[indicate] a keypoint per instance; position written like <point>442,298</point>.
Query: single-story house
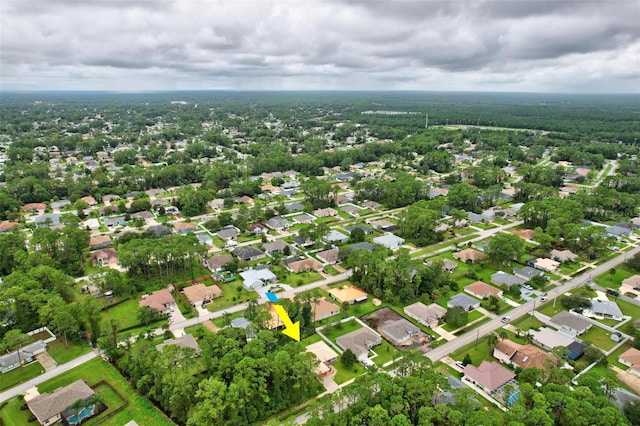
<point>365,229</point>
<point>104,257</point>
<point>49,219</point>
<point>349,294</point>
<point>617,231</point>
<point>204,238</point>
<point>57,205</point>
<point>161,300</point>
<point>245,199</point>
<point>389,241</point>
<point>99,241</point>
<point>360,341</point>
<point>527,272</point>
<point>216,204</point>
<point>489,376</point>
<point>254,278</point>
<point>323,308</point>
<point>369,204</point>
<point>185,227</point>
<point>464,301</point>
<point>328,212</point>
<point>325,355</point>
<point>114,221</point>
<point>304,265</point>
<point>160,230</point>
<point>631,358</point>
<point>399,332</point>
<point>335,237</point>
<point>548,339</point>
<point>278,222</point>
<point>328,256</point>
<point>49,408</point>
<point>482,290</point>
<point>469,255</point>
<point>502,278</point>
<point>294,207</point>
<point>524,356</point>
<point>228,233</point>
<point>34,208</point>
<point>217,262</point>
<point>426,315</point>
<point>564,255</point>
<point>359,246</point>
<point>631,285</point>
<point>89,200</point>
<point>385,225</point>
<point>303,242</point>
<point>8,226</point>
<point>199,294</point>
<point>546,264</point>
<point>303,218</point>
<point>145,215</point>
<point>525,234</point>
<point>248,253</point>
<point>604,309</point>
<point>449,265</point>
<point>278,246</point>
<point>571,324</point>
<point>635,222</point>
<point>350,209</point>
<point>27,353</point>
<point>185,341</point>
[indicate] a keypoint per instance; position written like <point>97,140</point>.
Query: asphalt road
<point>449,347</point>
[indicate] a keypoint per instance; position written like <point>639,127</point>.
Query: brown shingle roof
<point>469,255</point>
<point>200,291</point>
<point>48,405</point>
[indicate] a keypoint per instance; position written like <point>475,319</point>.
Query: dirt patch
<point>46,361</point>
<point>211,327</point>
<point>378,319</point>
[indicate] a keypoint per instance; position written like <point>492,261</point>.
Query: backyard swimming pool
<point>85,413</point>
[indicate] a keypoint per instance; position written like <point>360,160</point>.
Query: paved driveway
<point>46,361</point>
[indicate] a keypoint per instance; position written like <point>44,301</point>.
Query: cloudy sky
<point>138,45</point>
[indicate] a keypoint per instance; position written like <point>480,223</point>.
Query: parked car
<point>528,287</point>
<point>505,319</point>
<point>460,364</point>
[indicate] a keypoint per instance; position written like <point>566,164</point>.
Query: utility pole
<point>426,123</point>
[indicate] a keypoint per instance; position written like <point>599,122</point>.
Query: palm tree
<point>81,404</point>
<point>492,341</point>
<point>503,334</point>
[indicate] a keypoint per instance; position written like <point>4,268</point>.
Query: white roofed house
<point>426,315</point>
<point>389,241</point>
<point>604,309</point>
<point>255,278</point>
<point>571,324</point>
<point>631,285</point>
<point>334,237</point>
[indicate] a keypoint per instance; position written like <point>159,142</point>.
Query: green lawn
<point>139,408</point>
<point>63,354</point>
<point>435,247</point>
<point>609,280</point>
<point>630,309</point>
<point>301,278</point>
<point>598,337</point>
<point>473,315</point>
<point>231,296</point>
<point>527,322</point>
<point>386,352</point>
<point>473,326</point>
<point>331,270</point>
<point>20,375</point>
<point>477,353</point>
<point>347,373</point>
<point>570,268</point>
<point>126,313</point>
<point>338,330</point>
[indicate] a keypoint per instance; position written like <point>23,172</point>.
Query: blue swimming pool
<point>86,412</point>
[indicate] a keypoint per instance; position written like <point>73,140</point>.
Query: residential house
<point>349,294</point>
<point>328,212</point>
<point>216,204</point>
<point>469,255</point>
<point>617,231</point>
<point>204,238</point>
<point>48,220</point>
<point>107,210</point>
<point>303,218</point>
<point>325,355</point>
<point>384,225</point>
<point>489,376</point>
<point>161,300</point>
<point>335,237</point>
<point>160,230</point>
<point>360,342</point>
<point>278,223</point>
<point>114,221</point>
<point>303,242</point>
<point>527,272</point>
<point>185,227</point>
<point>99,241</point>
<point>89,200</point>
<point>371,205</point>
<point>604,309</point>
<point>564,255</point>
<point>217,262</point>
<point>145,215</point>
<point>546,264</point>
<point>548,339</point>
<point>228,233</point>
<point>525,234</point>
<point>294,207</point>
<point>58,205</point>
<point>569,323</point>
<point>200,294</point>
<point>248,253</point>
<point>50,408</point>
<point>466,302</point>
<point>255,278</point>
<point>400,332</point>
<point>243,200</point>
<point>34,208</point>
<point>105,257</point>
<point>482,290</point>
<point>365,229</point>
<point>502,278</point>
<point>631,285</point>
<point>359,246</point>
<point>25,355</point>
<point>278,246</point>
<point>389,241</point>
<point>523,356</point>
<point>184,341</point>
<point>6,226</point>
<point>426,315</point>
<point>257,229</point>
<point>438,192</point>
<point>109,198</point>
<point>350,209</point>
<point>635,222</point>
<point>304,265</point>
<point>631,358</point>
<point>328,256</point>
<point>323,308</point>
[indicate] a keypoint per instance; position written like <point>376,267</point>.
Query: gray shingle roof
<point>48,405</point>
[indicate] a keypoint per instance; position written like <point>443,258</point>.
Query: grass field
<point>473,315</point>
<point>63,354</point>
<point>126,313</point>
<point>477,353</point>
<point>599,337</point>
<point>231,296</point>
<point>610,280</point>
<point>344,373</point>
<point>20,375</point>
<point>338,330</point>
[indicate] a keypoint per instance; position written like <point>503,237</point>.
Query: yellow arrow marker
<point>290,329</point>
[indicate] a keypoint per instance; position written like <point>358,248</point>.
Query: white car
<point>528,287</point>
<point>505,319</point>
<point>543,299</point>
<point>460,364</point>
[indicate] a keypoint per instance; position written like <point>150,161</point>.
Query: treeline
<point>234,381</point>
